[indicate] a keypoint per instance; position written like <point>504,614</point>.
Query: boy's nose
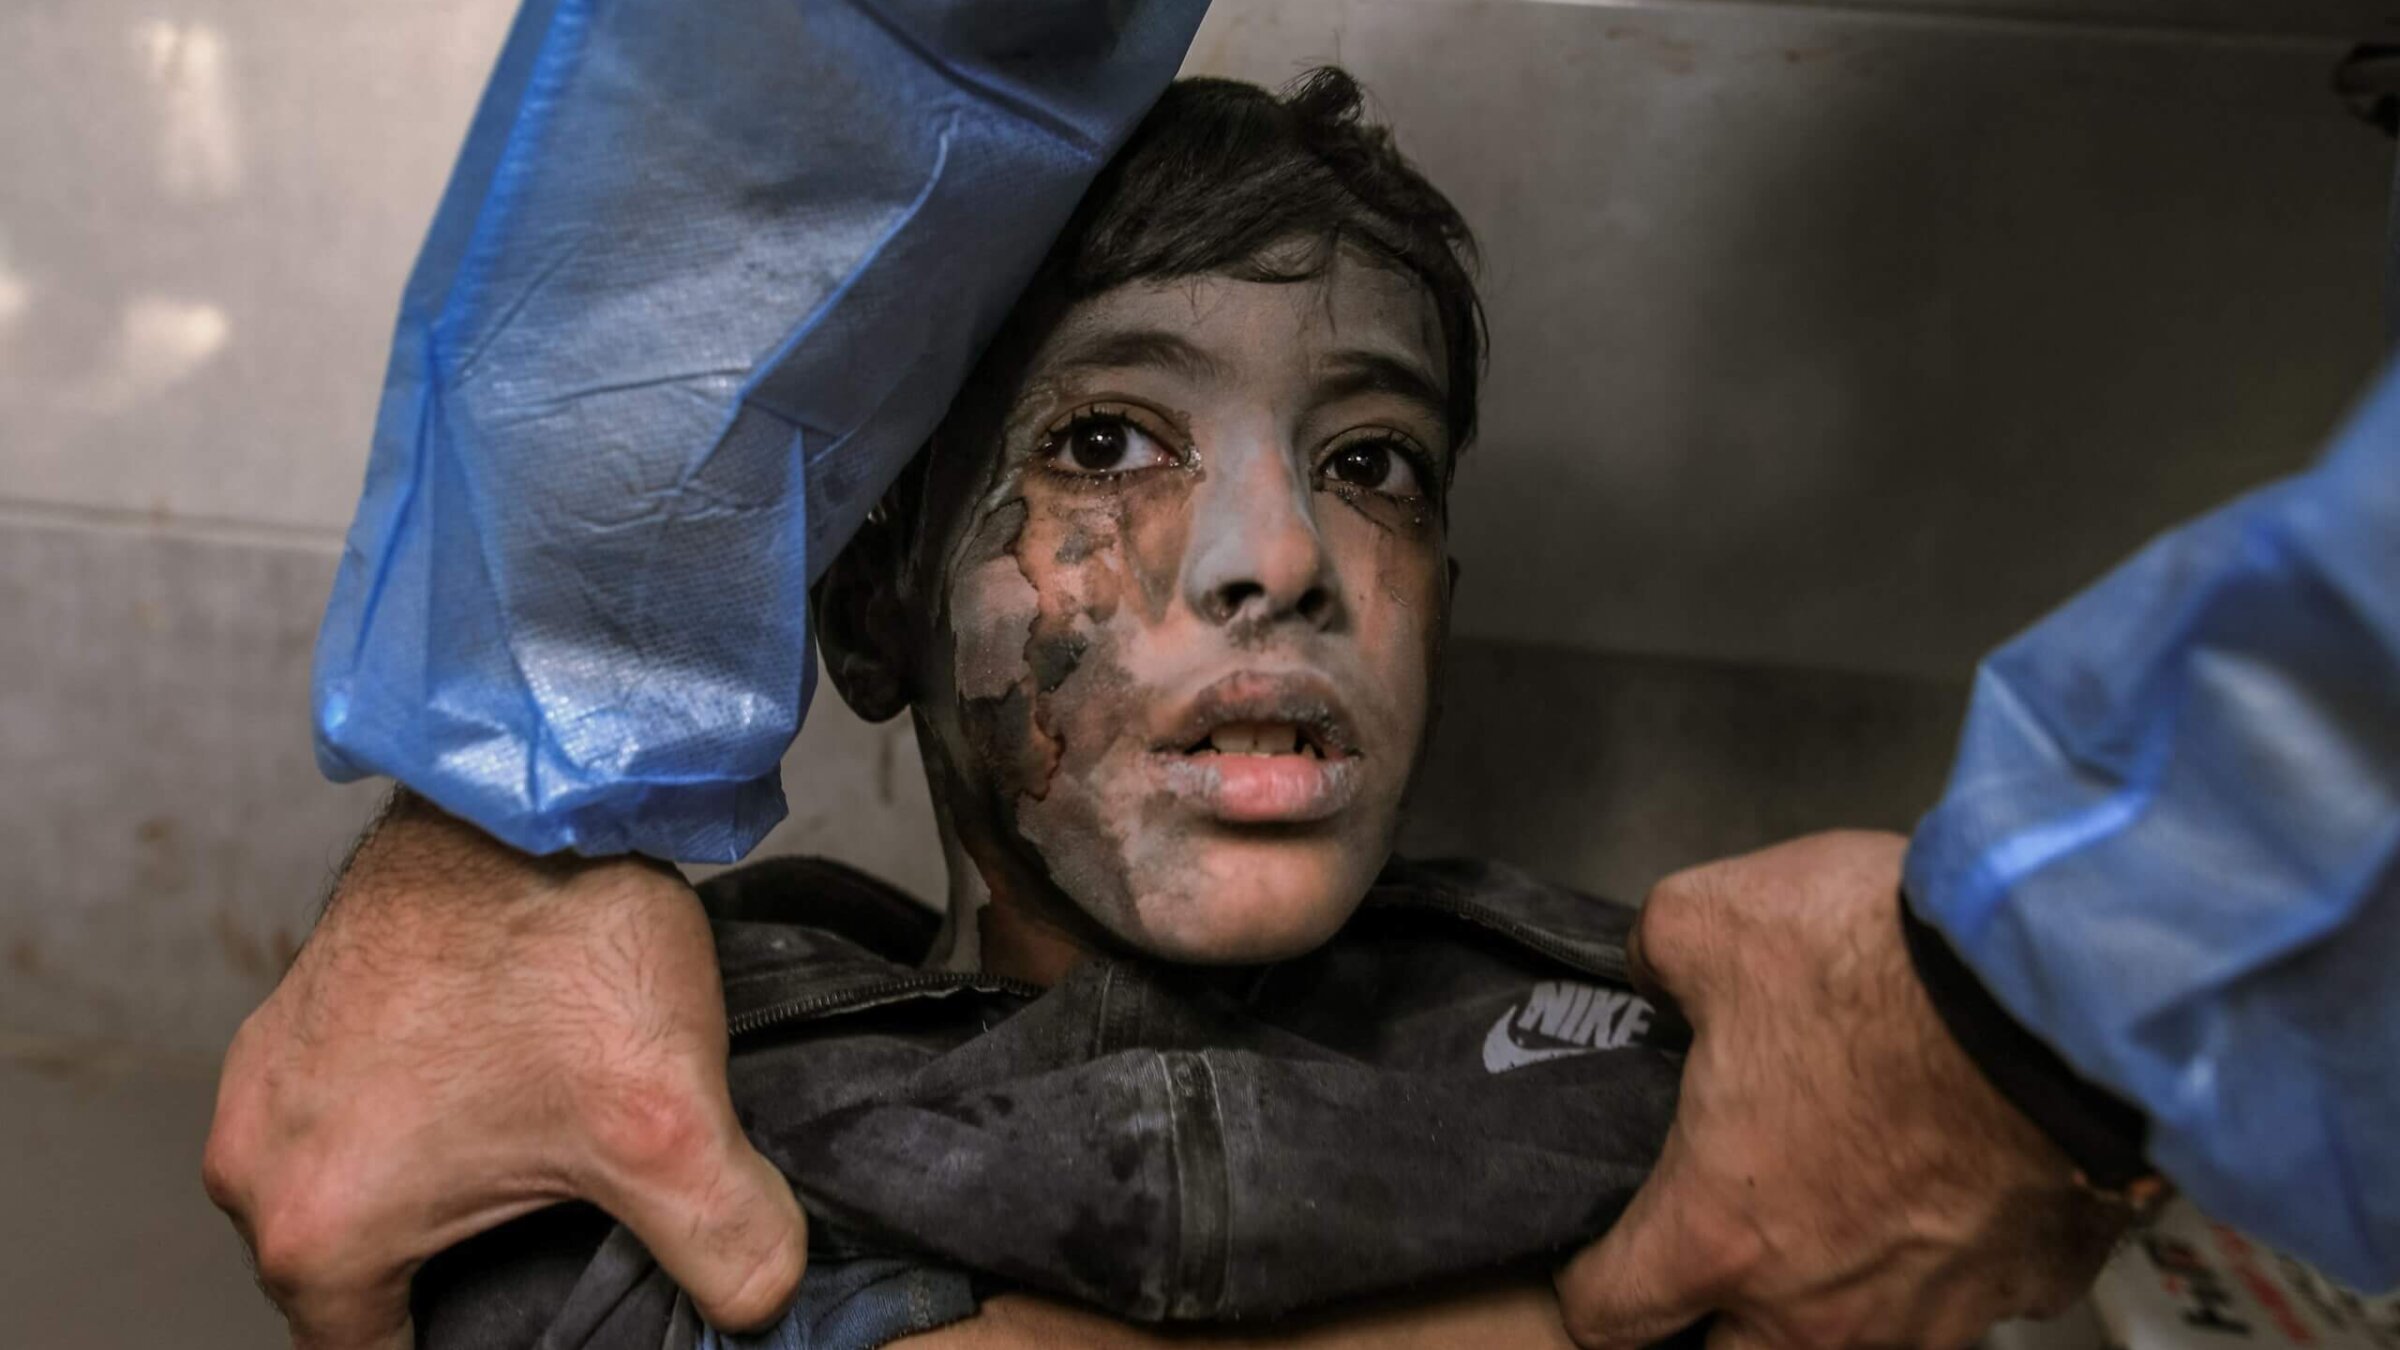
<point>1255,556</point>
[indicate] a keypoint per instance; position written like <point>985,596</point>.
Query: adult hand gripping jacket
<point>2171,847</point>
<point>705,276</point>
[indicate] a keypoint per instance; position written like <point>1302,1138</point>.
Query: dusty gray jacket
<point>1458,1082</point>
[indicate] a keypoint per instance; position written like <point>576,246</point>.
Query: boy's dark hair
<point>1220,173</point>
<point>1214,180</point>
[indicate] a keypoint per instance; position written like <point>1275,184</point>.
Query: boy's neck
<point>1019,946</point>
<point>993,936</point>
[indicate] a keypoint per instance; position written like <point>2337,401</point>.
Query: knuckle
<point>298,1241</point>
<point>650,1126</point>
<point>1678,890</point>
<point>224,1169</point>
<point>229,1160</point>
<point>1676,922</point>
<point>1726,1247</point>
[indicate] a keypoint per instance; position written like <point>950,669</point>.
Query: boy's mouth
<point>1258,738</point>
<point>1262,749</point>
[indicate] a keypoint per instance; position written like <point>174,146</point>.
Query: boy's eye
<point>1377,466</point>
<point>1104,443</point>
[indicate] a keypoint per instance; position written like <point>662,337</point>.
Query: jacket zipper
<point>885,991</point>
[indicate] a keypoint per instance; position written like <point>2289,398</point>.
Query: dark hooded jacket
<point>1461,1081</point>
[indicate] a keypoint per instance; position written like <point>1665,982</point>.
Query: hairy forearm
<point>415,848</point>
<point>426,891</point>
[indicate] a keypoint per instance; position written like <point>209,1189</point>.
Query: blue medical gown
<point>2171,847</point>
<point>706,275</point>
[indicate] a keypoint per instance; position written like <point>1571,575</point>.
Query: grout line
<point>2016,19</point>
<point>205,529</point>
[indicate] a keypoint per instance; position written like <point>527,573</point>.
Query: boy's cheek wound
<point>992,607</point>
<point>1056,588</point>
<point>1048,704</point>
<point>1132,525</point>
<point>1154,523</point>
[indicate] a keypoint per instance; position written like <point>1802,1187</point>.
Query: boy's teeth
<point>1256,738</point>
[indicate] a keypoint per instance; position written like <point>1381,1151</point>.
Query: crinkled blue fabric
<point>2171,846</point>
<point>706,275</point>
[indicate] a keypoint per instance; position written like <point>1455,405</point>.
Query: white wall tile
<point>169,834</point>
<point>207,209</point>
<point>171,837</point>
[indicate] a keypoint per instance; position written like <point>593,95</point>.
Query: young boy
<point>1165,598</point>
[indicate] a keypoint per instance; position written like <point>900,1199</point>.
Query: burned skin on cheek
<point>1088,549</point>
<point>994,699</point>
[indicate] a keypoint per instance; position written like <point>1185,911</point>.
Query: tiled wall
<point>1830,342</point>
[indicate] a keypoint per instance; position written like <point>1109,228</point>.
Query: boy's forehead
<point>1222,328</point>
<point>1224,334</point>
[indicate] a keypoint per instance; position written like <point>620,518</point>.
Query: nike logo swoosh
<point>1502,1053</point>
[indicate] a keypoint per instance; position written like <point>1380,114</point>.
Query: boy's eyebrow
<point>1345,374</point>
<point>1142,347</point>
<point>1358,371</point>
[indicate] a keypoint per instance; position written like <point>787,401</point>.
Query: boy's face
<point>1189,600</point>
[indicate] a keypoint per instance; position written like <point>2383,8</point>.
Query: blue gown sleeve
<point>704,278</point>
<point>2171,847</point>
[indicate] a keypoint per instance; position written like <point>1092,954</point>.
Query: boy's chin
<point>1245,902</point>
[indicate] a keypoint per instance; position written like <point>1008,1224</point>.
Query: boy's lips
<point>1257,748</point>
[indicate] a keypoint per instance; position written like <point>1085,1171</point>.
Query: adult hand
<point>469,1035</point>
<point>1839,1173</point>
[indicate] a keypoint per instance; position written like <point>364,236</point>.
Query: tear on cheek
<point>1411,516</point>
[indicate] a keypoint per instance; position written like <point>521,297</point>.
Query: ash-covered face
<point>1182,610</point>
